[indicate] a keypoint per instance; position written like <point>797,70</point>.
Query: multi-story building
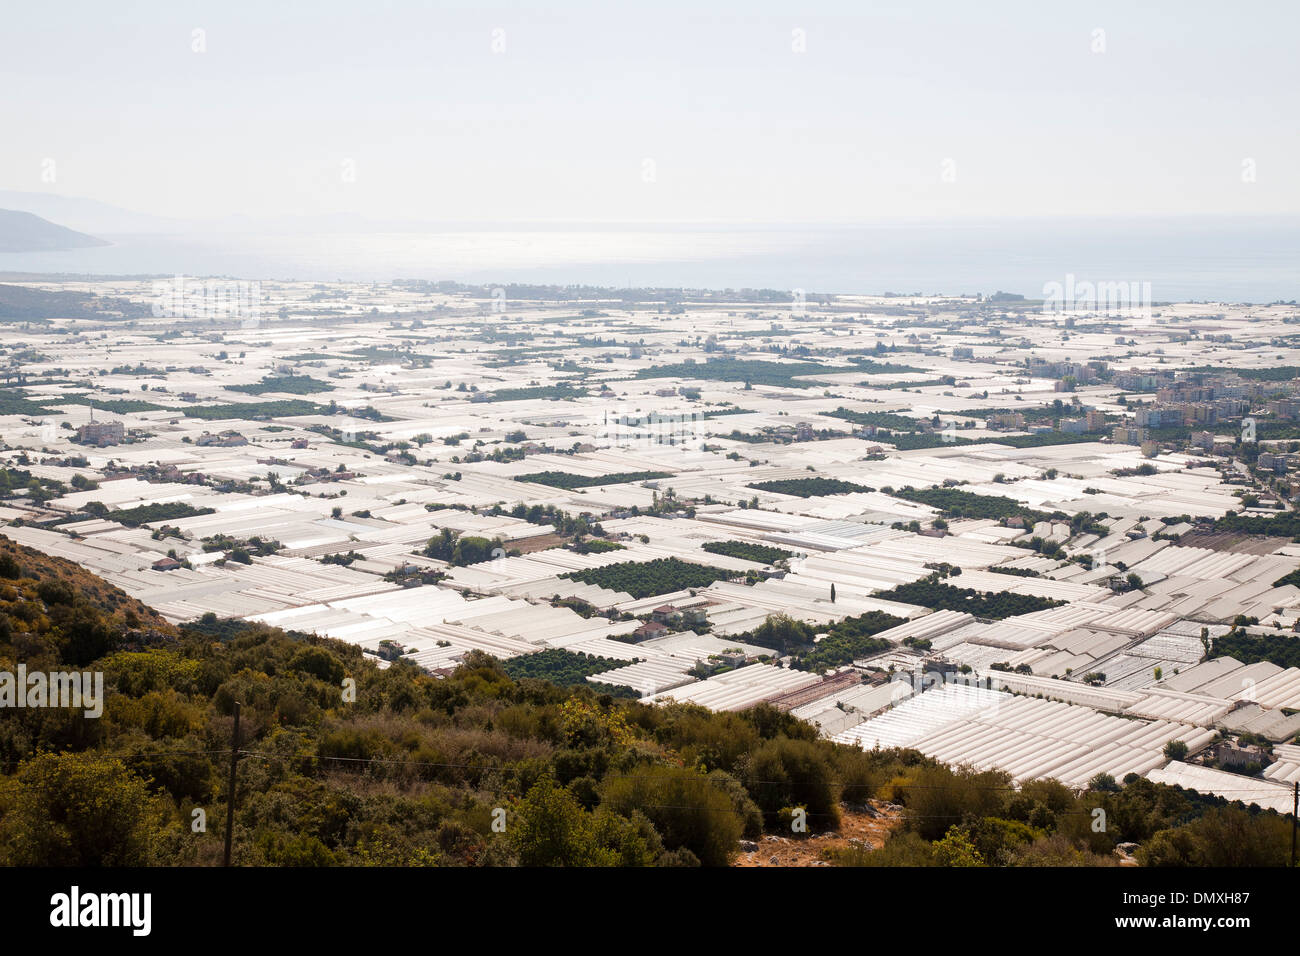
<point>101,434</point>
<point>226,439</point>
<point>1129,435</point>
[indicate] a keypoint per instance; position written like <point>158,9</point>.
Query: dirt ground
<point>855,825</point>
<point>1232,541</point>
<point>537,543</point>
<point>856,828</point>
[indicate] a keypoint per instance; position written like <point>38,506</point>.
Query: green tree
<point>934,797</point>
<point>77,810</point>
<point>1226,836</point>
<point>781,632</point>
<point>688,809</point>
<point>794,773</point>
<point>956,849</point>
<point>550,828</point>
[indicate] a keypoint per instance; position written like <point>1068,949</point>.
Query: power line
<point>399,761</point>
<point>15,762</point>
<point>1262,789</point>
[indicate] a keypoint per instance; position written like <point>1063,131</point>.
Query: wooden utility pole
<point>1295,806</point>
<point>230,791</point>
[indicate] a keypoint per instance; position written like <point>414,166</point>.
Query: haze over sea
<point>1232,259</point>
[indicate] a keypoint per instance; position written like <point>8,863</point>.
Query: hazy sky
<point>666,111</point>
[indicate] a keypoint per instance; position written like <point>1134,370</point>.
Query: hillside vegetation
<point>342,763</point>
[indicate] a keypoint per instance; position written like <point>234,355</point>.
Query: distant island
<point>24,232</point>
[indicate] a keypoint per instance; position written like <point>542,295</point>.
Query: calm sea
<point>1229,259</point>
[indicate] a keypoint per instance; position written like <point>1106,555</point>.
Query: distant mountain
<point>102,219</point>
<point>25,232</point>
<point>87,215</point>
